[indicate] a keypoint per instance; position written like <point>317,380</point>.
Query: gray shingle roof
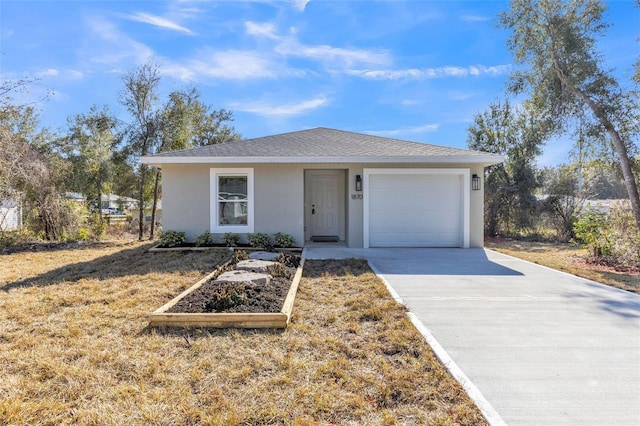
<point>322,145</point>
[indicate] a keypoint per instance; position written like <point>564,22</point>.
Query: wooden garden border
<point>160,317</point>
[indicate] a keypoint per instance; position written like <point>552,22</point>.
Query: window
<point>232,200</point>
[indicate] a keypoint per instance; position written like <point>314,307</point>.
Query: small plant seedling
<point>227,296</point>
<point>279,270</point>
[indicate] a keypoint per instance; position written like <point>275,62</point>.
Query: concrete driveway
<point>541,347</point>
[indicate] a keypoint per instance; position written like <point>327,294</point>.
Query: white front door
<point>325,205</point>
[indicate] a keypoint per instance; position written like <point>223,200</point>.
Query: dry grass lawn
<point>568,258</point>
<point>75,348</point>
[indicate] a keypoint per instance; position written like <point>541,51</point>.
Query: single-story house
<point>117,202</point>
<point>328,185</point>
<point>76,197</point>
<point>10,215</point>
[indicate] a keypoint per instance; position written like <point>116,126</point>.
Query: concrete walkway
<point>542,347</point>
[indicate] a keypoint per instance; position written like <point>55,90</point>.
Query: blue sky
<point>415,70</point>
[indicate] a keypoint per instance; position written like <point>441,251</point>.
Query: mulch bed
<point>247,297</point>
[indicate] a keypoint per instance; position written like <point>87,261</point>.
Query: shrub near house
<point>172,238</point>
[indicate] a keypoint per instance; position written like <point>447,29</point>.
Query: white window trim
<point>466,200</point>
<point>213,186</point>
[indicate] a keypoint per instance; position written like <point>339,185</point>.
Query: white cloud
<point>475,18</point>
<point>461,96</point>
<point>429,73</point>
<point>268,63</point>
<point>289,46</point>
<point>49,72</point>
<point>324,53</point>
<point>118,49</point>
<point>68,74</point>
<point>427,128</point>
<point>299,4</point>
<point>411,102</point>
<point>74,74</point>
<point>158,21</point>
<point>230,64</point>
<point>277,109</point>
<point>267,30</point>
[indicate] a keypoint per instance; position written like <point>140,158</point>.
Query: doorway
<point>325,216</point>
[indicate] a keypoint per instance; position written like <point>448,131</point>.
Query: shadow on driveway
<point>616,301</point>
<point>418,261</point>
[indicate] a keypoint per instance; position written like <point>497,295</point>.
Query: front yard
<point>75,348</point>
<point>568,258</point>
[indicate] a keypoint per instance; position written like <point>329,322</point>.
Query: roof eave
<point>486,160</point>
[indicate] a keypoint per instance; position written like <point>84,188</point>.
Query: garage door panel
<point>415,210</point>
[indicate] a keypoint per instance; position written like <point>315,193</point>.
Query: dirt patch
<point>246,297</point>
<point>605,265</point>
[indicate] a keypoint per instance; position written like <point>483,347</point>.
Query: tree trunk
<point>618,144</point>
<point>623,156</point>
<point>627,172</point>
<point>143,170</point>
<point>100,207</point>
<point>153,206</point>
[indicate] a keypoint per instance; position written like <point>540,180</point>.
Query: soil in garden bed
<point>248,297</point>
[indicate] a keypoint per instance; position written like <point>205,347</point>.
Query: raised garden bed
<point>263,305</point>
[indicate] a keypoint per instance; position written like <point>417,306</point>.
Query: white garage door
<point>415,210</point>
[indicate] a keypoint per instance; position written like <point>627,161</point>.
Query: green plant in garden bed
<point>172,238</point>
<point>279,270</point>
<point>204,239</point>
<point>230,239</point>
<point>284,240</point>
<point>259,240</point>
<point>227,296</point>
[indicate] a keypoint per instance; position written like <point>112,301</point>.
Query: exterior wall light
<point>475,182</point>
<point>358,183</point>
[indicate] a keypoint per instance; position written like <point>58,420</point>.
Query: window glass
<point>232,187</point>
<point>232,200</point>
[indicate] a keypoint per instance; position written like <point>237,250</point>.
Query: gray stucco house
<point>328,185</point>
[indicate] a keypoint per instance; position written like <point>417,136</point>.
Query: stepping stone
<point>239,277</point>
<point>264,255</point>
<point>254,265</point>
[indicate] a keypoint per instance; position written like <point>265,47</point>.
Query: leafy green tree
<point>509,187</point>
<point>593,230</point>
<point>556,42</point>
<point>186,122</point>
<point>30,170</point>
<point>602,180</point>
<point>140,99</point>
<point>88,147</point>
<point>124,179</point>
<point>564,198</point>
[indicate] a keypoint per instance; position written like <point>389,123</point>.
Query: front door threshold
<point>325,239</point>
<point>325,244</point>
